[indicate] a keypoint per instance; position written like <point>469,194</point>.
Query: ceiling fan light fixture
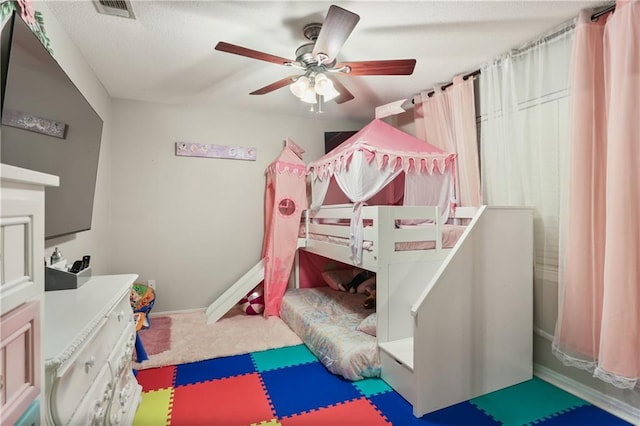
<point>300,86</point>
<point>309,96</point>
<point>331,95</point>
<point>322,85</point>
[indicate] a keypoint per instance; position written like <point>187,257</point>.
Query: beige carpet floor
<point>234,334</point>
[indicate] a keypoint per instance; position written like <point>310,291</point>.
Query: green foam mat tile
<point>527,403</point>
<point>289,356</point>
<point>372,386</point>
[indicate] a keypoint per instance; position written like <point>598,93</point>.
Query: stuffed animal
<point>362,278</point>
<point>370,301</point>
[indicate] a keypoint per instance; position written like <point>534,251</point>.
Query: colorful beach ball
<point>253,303</point>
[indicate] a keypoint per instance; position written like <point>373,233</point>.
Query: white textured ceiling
<point>167,53</point>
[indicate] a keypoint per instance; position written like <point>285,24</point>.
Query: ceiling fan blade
<point>345,94</point>
<point>335,30</point>
<point>275,86</point>
<point>249,53</point>
<point>388,67</point>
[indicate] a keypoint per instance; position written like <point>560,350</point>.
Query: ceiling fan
<point>317,59</point>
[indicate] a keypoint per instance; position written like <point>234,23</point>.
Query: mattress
<point>450,235</point>
<point>326,321</point>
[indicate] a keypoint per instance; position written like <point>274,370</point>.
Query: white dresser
<point>21,293</point>
<point>89,336</point>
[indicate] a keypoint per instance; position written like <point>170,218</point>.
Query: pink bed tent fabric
<point>285,199</point>
<point>370,160</point>
<point>598,327</point>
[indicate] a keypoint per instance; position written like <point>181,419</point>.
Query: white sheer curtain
<point>524,116</point>
<point>447,119</point>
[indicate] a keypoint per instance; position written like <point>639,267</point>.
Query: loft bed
<point>454,304</point>
<point>452,323</point>
<point>327,320</point>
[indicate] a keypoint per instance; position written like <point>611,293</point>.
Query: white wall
<point>95,241</point>
<point>195,225</point>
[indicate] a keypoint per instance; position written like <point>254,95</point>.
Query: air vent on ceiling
<point>121,8</point>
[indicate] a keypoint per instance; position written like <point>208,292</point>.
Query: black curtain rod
<point>464,77</point>
<point>594,18</point>
<point>604,11</point>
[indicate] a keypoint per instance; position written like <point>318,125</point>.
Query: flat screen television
<point>333,139</point>
<point>48,126</point>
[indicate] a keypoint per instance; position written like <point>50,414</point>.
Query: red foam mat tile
<point>156,378</point>
<point>356,412</point>
<point>239,400</point>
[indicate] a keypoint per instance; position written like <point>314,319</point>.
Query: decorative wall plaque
<point>186,149</point>
<point>25,121</point>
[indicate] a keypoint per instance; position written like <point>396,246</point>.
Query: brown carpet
<point>191,339</point>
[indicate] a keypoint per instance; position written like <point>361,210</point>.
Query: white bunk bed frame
<point>453,324</point>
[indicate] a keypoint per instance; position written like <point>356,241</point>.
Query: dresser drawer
<point>19,360</point>
<point>123,351</point>
<point>75,377</point>
<point>127,391</point>
<point>118,320</point>
<point>94,405</point>
<point>398,375</point>
<point>31,417</point>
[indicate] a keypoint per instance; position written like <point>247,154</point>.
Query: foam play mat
<point>289,386</point>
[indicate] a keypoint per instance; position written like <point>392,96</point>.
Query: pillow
<point>368,325</point>
<point>337,277</point>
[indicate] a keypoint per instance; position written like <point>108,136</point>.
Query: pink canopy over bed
<point>285,199</point>
<point>366,164</point>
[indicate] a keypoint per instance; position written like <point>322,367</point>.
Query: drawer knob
<point>98,415</point>
<point>115,419</point>
<point>90,362</point>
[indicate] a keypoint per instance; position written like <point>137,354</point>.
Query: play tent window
<point>287,206</point>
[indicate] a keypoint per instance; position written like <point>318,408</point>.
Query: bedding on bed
<point>327,322</point>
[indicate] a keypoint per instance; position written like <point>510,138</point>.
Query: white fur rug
<point>234,334</point>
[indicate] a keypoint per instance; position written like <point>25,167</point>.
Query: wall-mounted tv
<point>48,126</point>
<point>333,139</point>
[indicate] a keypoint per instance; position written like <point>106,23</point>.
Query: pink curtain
<point>598,327</point>
<point>447,120</point>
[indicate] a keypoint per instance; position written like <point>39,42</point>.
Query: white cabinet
<point>21,289</point>
<point>88,344</point>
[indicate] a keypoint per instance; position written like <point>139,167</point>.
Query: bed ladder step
<point>237,291</point>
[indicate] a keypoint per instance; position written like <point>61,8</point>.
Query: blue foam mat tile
<point>399,412</point>
<point>304,387</point>
<point>218,368</point>
<point>585,415</point>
